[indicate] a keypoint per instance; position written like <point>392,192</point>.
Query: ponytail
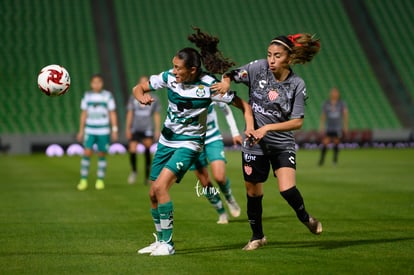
<point>302,47</point>
<point>212,58</point>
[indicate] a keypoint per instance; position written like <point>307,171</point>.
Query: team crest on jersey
<point>272,95</point>
<point>248,169</point>
<point>200,91</point>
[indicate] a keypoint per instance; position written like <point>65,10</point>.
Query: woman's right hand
<point>145,99</point>
<point>79,136</point>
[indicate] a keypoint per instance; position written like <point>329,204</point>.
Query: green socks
<point>165,211</point>
<point>85,163</point>
<point>156,218</point>
<point>215,201</point>
<point>226,190</point>
<point>101,167</point>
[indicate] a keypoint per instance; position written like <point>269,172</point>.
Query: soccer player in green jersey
<point>182,138</point>
<point>97,116</point>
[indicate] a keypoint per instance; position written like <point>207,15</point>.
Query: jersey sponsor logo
<point>249,157</point>
<point>200,91</point>
<point>248,169</point>
<point>272,95</point>
<point>260,109</point>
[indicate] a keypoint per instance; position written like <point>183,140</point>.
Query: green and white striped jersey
<point>213,130</point>
<point>185,124</point>
<point>97,107</point>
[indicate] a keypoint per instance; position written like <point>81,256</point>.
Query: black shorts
<point>139,136</point>
<point>256,168</point>
<point>333,134</point>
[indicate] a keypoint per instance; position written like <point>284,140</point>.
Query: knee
<point>152,196</point>
<point>220,177</point>
<point>157,189</point>
<point>87,153</point>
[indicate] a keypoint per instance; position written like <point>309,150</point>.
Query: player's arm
<point>247,112</point>
<point>345,120</point>
<point>128,124</point>
<point>322,121</point>
<point>290,125</point>
<point>231,122</point>
<point>82,122</point>
<point>140,92</point>
<point>114,125</point>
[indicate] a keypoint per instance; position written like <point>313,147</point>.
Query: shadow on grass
<point>321,244</point>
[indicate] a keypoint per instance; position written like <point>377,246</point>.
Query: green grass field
<point>366,205</point>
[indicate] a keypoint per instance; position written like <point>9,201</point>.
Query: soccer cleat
<point>255,244</point>
<point>163,249</point>
<point>99,185</point>
<point>83,185</point>
<point>233,207</point>
<point>149,249</point>
<point>314,225</point>
<point>132,177</point>
<point>223,219</point>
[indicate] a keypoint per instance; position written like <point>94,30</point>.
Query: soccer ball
<point>53,80</point>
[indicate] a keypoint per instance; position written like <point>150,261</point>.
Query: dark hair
<point>209,55</point>
<point>191,58</point>
<point>302,47</point>
<point>96,76</point>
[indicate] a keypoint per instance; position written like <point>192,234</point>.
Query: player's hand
<point>237,140</point>
<point>157,135</point>
<point>114,136</point>
<point>128,134</point>
<point>220,87</point>
<point>259,134</point>
<point>79,136</point>
<point>145,99</point>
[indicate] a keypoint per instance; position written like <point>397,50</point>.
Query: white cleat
<point>132,178</point>
<point>151,248</point>
<point>233,207</point>
<point>223,219</point>
<point>255,244</point>
<point>163,249</point>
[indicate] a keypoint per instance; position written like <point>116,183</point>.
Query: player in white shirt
<point>183,135</point>
<point>97,116</point>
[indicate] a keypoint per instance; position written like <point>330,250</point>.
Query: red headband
<point>294,37</point>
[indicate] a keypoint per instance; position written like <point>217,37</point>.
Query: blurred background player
<point>98,114</point>
<point>142,125</point>
<point>213,153</point>
<point>333,124</point>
